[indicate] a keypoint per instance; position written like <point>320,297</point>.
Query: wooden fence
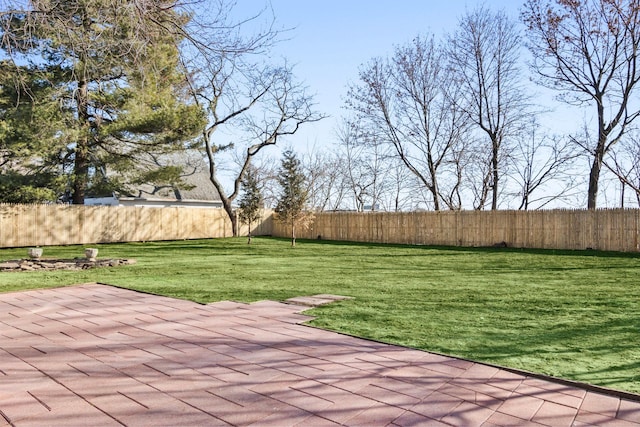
<point>611,230</point>
<point>43,225</point>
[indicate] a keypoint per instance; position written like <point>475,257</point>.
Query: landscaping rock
<point>9,265</point>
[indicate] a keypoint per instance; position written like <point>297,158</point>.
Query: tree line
<point>99,96</point>
<point>459,113</point>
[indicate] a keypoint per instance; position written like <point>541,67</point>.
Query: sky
<point>330,39</point>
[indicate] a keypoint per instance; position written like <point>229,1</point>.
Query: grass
<point>571,314</point>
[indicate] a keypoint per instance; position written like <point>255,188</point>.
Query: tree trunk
<point>594,177</point>
<point>436,198</point>
<point>80,172</point>
<point>226,201</point>
<point>81,160</point>
<point>496,175</point>
<point>228,208</point>
<point>293,234</point>
<point>434,182</point>
<point>596,166</point>
<point>233,218</point>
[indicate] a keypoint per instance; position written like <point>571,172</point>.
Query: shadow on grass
<point>607,377</point>
<point>610,346</point>
<point>475,249</point>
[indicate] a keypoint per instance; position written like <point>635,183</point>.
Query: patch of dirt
<point>61,264</point>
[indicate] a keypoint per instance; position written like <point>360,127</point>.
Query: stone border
<point>60,264</point>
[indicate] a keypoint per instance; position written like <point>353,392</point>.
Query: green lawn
<point>569,314</point>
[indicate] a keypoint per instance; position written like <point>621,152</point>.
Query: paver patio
<point>99,355</point>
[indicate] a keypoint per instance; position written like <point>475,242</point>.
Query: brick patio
<point>98,355</point>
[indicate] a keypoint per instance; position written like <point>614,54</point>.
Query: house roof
<point>195,178</point>
<point>198,187</point>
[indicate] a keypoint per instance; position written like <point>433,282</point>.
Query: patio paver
<point>99,355</point>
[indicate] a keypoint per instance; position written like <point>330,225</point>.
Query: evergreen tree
<point>111,70</point>
<point>293,196</point>
<point>30,152</point>
<point>251,202</point>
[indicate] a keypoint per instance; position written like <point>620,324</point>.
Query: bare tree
<point>325,177</point>
<point>404,102</point>
<point>401,188</point>
<point>625,165</point>
<point>458,164</point>
<point>250,105</point>
<point>484,57</point>
<point>588,50</point>
<point>478,175</point>
<point>365,166</point>
<point>542,168</point>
